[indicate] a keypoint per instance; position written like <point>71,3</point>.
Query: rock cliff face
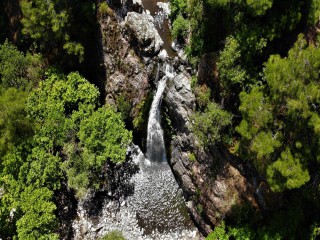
<point>214,182</point>
<point>126,74</point>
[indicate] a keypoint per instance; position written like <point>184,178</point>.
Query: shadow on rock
<point>66,210</point>
<point>119,186</point>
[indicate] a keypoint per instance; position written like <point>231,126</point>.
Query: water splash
<point>169,71</point>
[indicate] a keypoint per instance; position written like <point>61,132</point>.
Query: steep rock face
<point>181,99</point>
<point>214,182</point>
<point>143,33</point>
<point>126,75</point>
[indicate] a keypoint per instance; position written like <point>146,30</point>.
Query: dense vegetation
<point>267,77</point>
<point>53,128</point>
<point>261,101</point>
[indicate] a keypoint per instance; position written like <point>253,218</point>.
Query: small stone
<point>84,228</point>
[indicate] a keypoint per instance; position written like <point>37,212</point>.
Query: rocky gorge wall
<point>214,182</point>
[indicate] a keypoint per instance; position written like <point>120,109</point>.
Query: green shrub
<point>124,106</point>
<point>203,94</point>
<point>209,124</point>
<point>103,9</point>
<point>180,27</point>
<point>192,157</point>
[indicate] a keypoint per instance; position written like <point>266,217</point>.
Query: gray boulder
<point>180,100</point>
<point>141,30</point>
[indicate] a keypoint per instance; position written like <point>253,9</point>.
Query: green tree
<point>232,74</point>
<point>46,23</point>
<point>31,159</point>
<point>15,126</point>
<point>259,7</point>
<point>314,13</point>
<point>287,172</point>
<point>59,104</point>
<point>187,18</point>
<point>104,135</point>
<point>70,125</point>
<point>208,125</point>
<point>17,69</point>
<point>39,219</point>
<point>219,233</point>
<point>13,66</point>
<point>280,125</point>
<point>178,7</point>
<point>222,232</point>
<point>103,138</point>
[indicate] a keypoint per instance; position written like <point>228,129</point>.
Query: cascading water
<point>155,142</point>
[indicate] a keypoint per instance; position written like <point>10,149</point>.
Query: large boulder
<point>180,100</point>
<point>143,34</point>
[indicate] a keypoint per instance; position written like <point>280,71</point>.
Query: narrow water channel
<point>161,23</point>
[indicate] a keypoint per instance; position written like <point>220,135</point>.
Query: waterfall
<point>149,204</point>
<point>155,142</point>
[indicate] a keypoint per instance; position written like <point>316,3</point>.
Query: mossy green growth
<point>123,106</point>
<point>199,208</point>
<point>192,157</point>
<point>104,9</point>
<point>142,109</point>
<point>113,235</point>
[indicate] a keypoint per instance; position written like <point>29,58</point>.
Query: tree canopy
<point>67,133</point>
<point>47,24</point>
<point>280,125</point>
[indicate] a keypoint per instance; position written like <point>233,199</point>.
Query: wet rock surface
<point>143,33</point>
<point>127,77</point>
<point>180,99</point>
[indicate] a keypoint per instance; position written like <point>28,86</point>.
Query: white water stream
<point>155,143</point>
